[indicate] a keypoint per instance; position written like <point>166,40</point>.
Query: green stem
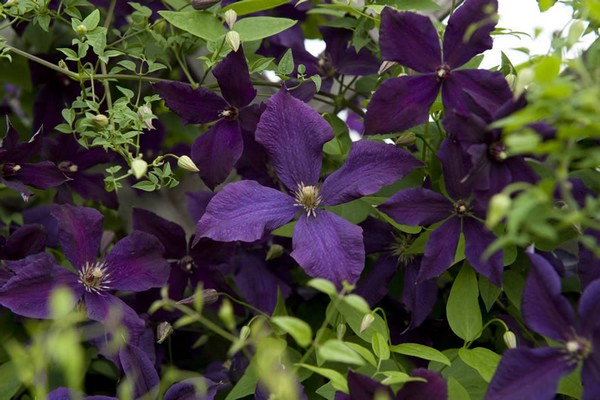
<point>106,83</point>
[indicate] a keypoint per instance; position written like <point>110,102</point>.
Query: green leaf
<point>286,64</point>
<point>354,318</point>
<point>250,6</point>
<point>246,386</point>
<point>456,391</point>
<point>337,380</point>
<point>547,69</point>
<point>462,309</point>
<point>488,291</point>
<point>545,4</point>
<point>256,28</point>
<point>364,352</point>
<point>483,360</point>
<point>380,346</point>
<point>92,20</point>
<point>322,285</point>
<point>298,329</point>
<point>569,385</point>
<point>338,351</point>
<point>421,351</point>
<point>355,211</point>
<point>201,24</point>
<point>9,380</point>
<point>146,186</point>
<point>317,81</point>
<point>286,230</point>
<point>394,377</point>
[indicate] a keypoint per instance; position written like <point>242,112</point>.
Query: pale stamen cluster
<point>95,277</point>
<point>307,196</point>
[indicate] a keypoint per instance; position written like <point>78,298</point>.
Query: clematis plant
<point>324,244</point>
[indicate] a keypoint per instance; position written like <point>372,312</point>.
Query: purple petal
<point>440,250</point>
<point>69,394</point>
<point>436,387</point>
<point>216,151</point>
<point>113,313</point>
<point>196,203</point>
<point>136,263</point>
<point>401,103</point>
<point>362,387</point>
<point>245,211</point>
<point>466,128</point>
<point>418,298</point>
<point>170,235</point>
<point>189,389</point>
<point>477,239</point>
<point>409,39</point>
<point>456,165</point>
<point>378,236</point>
<point>344,58</point>
<point>42,175</point>
<point>544,309</point>
<point>468,31</point>
<point>370,166</point>
<point>328,246</point>
<point>525,373</point>
<point>374,286</point>
<point>234,79</point>
<point>79,232</point>
<point>589,312</point>
<point>25,240</point>
<point>475,90</point>
<point>293,134</point>
<point>417,206</point>
<point>140,371</point>
<point>590,372</point>
<point>28,292</point>
<point>194,106</point>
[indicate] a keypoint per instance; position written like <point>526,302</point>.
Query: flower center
<point>95,277</point>
<point>307,197</point>
<point>462,209</point>
<point>9,169</point>
<point>230,113</point>
<point>497,151</point>
<point>578,349</point>
<point>442,72</point>
<point>326,64</point>
<point>401,243</point>
<point>67,167</point>
<point>187,264</point>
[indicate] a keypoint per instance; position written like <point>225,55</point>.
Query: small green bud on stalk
<point>81,30</point>
<point>139,168</point>
<point>341,331</point>
<point>101,120</point>
<point>406,139</point>
<point>230,17</point>
<point>226,314</point>
<point>575,31</point>
<point>245,332</point>
<point>498,207</point>
<point>274,252</point>
<point>160,26</point>
<point>510,339</point>
<point>366,322</point>
<point>163,331</point>
<point>186,163</point>
<point>233,40</point>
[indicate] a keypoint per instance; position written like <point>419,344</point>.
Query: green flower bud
<point>366,322</point>
<point>575,31</point>
<point>163,331</point>
<point>233,40</point>
<point>160,26</point>
<point>498,207</point>
<point>226,314</point>
<point>230,17</point>
<point>406,139</point>
<point>274,252</point>
<point>81,30</point>
<point>245,332</point>
<point>341,331</point>
<point>510,339</point>
<point>186,163</point>
<point>139,168</point>
<point>101,120</point>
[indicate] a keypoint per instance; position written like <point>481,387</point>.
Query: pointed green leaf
<point>483,360</point>
<point>251,6</point>
<point>203,25</point>
<point>337,380</point>
<point>298,329</point>
<point>462,309</point>
<point>337,351</point>
<point>256,28</point>
<point>421,351</point>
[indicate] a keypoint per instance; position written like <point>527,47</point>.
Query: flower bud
<point>498,207</point>
<point>145,114</point>
<point>406,139</point>
<point>274,252</point>
<point>510,339</point>
<point>575,31</point>
<point>230,17</point>
<point>101,120</point>
<point>163,331</point>
<point>366,322</point>
<point>245,332</point>
<point>160,26</point>
<point>203,4</point>
<point>341,331</point>
<point>226,314</point>
<point>233,40</point>
<point>139,168</point>
<point>81,30</point>
<point>186,163</point>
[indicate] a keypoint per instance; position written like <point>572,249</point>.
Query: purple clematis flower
<point>324,244</point>
<point>15,170</point>
<point>404,102</point>
<point>420,206</point>
<point>135,264</point>
<point>525,373</point>
<point>216,151</point>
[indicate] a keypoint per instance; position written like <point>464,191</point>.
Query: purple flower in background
<point>420,206</point>
<point>525,373</point>
<point>324,244</point>
<point>404,102</point>
<point>217,150</point>
<point>15,170</point>
<point>135,264</point>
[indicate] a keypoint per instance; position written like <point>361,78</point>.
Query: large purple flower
<point>420,206</point>
<point>135,263</point>
<point>404,102</point>
<point>216,151</point>
<point>526,373</point>
<point>324,244</point>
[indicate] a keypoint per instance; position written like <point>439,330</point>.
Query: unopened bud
<point>163,331</point>
<point>341,331</point>
<point>209,296</point>
<point>498,207</point>
<point>406,139</point>
<point>230,17</point>
<point>233,40</point>
<point>139,168</point>
<point>385,66</point>
<point>186,163</point>
<point>81,30</point>
<point>226,314</point>
<point>203,4</point>
<point>245,332</point>
<point>145,114</point>
<point>510,339</point>
<point>100,120</point>
<point>274,252</point>
<point>575,31</point>
<point>160,26</point>
<point>366,322</point>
